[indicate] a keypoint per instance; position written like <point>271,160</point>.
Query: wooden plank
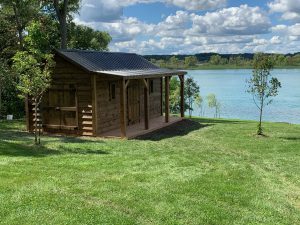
<point>123,108</point>
<point>146,104</point>
<point>94,104</point>
<point>181,96</point>
<point>167,98</point>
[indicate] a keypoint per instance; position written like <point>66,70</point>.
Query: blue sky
<point>195,26</point>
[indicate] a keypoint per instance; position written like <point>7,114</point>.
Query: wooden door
<point>60,107</point>
<point>133,102</point>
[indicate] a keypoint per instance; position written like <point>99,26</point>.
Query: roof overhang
<point>136,74</point>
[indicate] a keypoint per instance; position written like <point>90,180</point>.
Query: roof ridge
<point>94,51</point>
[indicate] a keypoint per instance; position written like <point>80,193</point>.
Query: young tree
<point>174,95</point>
<point>199,104</point>
<point>214,103</point>
<point>261,85</point>
<point>34,79</point>
<point>192,90</point>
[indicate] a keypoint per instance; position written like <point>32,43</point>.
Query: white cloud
<point>121,30</point>
<point>243,20</point>
<point>173,25</point>
<point>275,40</point>
<point>228,30</point>
<point>290,9</point>
<point>110,10</point>
<point>198,4</point>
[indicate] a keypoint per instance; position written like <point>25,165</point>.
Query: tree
<point>199,104</point>
<point>261,85</point>
<point>20,13</point>
<point>8,37</point>
<point>192,90</point>
<point>174,61</point>
<point>174,95</point>
<point>83,37</point>
<point>63,10</point>
<point>42,36</point>
<point>213,102</point>
<point>3,78</point>
<point>215,59</point>
<point>34,79</point>
<point>190,61</point>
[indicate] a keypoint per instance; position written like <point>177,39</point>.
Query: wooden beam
<point>167,102</point>
<point>146,83</point>
<point>181,77</point>
<point>146,104</point>
<point>94,104</point>
<point>127,83</point>
<point>123,108</point>
<point>161,97</point>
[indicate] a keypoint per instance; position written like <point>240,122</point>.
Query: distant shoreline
<point>210,67</point>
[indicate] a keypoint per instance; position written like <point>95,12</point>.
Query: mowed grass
<point>199,172</point>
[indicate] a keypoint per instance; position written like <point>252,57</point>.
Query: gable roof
<point>115,63</point>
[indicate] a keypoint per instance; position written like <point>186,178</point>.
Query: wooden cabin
<point>106,94</point>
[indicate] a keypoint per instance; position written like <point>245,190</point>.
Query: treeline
<point>211,60</point>
<point>35,28</point>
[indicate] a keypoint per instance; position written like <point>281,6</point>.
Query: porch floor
<point>136,130</point>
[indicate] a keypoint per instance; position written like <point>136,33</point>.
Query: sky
<point>195,26</point>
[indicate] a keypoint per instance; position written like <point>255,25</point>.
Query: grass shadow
<point>181,128</point>
<point>216,121</point>
<point>25,150</point>
<point>18,143</point>
<point>291,138</point>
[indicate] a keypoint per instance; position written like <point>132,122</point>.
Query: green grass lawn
<point>206,172</point>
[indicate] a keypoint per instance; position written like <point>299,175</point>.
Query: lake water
<point>230,87</point>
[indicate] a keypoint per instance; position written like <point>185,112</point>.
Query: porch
<point>138,129</point>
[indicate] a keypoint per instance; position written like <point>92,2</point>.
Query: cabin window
<point>151,88</point>
<point>112,91</point>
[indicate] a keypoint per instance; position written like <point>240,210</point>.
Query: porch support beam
<point>181,77</point>
<point>146,103</point>
<point>127,83</point>
<point>167,98</point>
<point>123,107</point>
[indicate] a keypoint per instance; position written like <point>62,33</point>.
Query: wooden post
<point>161,97</point>
<point>123,108</point>
<point>167,103</point>
<point>181,77</point>
<point>146,103</point>
<point>94,104</point>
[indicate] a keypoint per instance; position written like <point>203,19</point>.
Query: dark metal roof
<point>115,63</point>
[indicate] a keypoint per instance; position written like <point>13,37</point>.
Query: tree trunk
<point>61,13</point>
<point>35,122</point>
<point>260,130</point>
<point>63,33</point>
<point>19,25</point>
